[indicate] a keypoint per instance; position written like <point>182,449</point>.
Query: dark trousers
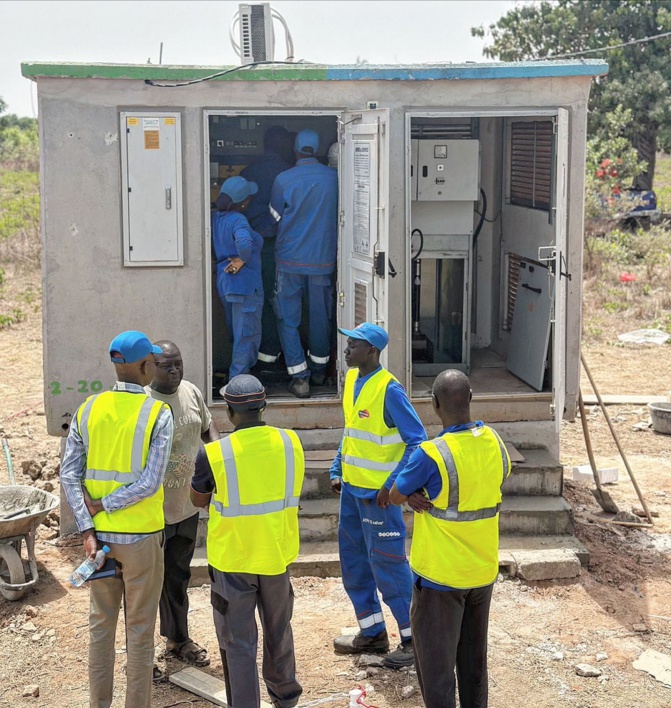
<point>235,597</point>
<point>449,629</point>
<point>270,339</point>
<point>173,608</point>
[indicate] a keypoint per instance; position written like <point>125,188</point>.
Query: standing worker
<point>237,248</point>
<point>118,449</point>
<point>192,420</point>
<point>263,173</point>
<point>381,431</point>
<point>455,546</point>
<point>252,480</point>
<point>304,200</point>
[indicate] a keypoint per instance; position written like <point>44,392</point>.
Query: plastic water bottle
<point>355,695</point>
<point>88,567</point>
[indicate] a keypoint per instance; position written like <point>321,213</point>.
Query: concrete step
<point>321,559</point>
<point>539,474</point>
<point>520,515</point>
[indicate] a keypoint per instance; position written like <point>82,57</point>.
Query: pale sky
<point>196,32</point>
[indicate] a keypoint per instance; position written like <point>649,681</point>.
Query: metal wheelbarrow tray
<point>22,510</point>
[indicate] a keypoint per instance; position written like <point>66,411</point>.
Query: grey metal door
<point>530,334</point>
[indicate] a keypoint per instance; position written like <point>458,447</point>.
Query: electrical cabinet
<point>448,170</point>
<point>151,180</point>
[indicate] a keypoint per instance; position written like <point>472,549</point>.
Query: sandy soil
<point>539,632</point>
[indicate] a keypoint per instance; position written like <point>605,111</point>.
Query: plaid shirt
<point>73,470</point>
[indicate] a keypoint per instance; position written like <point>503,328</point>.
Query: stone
<point>360,675</point>
<point>29,627</point>
<point>558,656</point>
<point>601,656</point>
<point>587,671</point>
<point>51,633</point>
<point>32,468</point>
<point>640,628</point>
<point>370,660</point>
<point>408,692</point>
<point>37,636</point>
<point>31,690</point>
<point>372,671</point>
<point>30,611</point>
<point>548,565</point>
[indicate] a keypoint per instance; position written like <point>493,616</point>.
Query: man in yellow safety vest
<point>455,543</point>
<point>252,481</point>
<point>112,474</point>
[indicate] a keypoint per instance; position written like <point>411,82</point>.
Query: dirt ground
<point>538,633</point>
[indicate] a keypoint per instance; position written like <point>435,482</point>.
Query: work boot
<point>299,387</point>
<point>358,643</point>
<point>401,657</point>
<point>318,379</point>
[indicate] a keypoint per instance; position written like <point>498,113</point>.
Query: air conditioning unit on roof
<point>257,38</point>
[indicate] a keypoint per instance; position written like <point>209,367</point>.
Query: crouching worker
<point>252,481</point>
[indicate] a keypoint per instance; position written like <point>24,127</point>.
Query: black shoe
<point>318,379</point>
<point>400,658</point>
<point>358,644</point>
<point>299,387</point>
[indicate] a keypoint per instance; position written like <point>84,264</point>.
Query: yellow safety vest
<point>253,526</point>
<point>457,542</point>
<point>116,428</point>
<point>370,450</point>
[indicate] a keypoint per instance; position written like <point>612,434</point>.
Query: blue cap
<point>307,142</point>
<point>369,332</point>
<point>238,189</point>
<point>131,346</point>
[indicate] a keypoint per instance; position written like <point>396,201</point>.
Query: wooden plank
<point>515,454</point>
<point>204,685</point>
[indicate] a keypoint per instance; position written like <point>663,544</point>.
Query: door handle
<point>535,290</point>
<point>168,198</point>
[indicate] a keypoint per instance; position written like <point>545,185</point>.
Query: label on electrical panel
<point>361,207</point>
<point>133,121</point>
<point>169,121</point>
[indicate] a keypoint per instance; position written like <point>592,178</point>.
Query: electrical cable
<point>478,228</point>
<point>643,40</point>
<point>421,244</point>
<point>216,75</point>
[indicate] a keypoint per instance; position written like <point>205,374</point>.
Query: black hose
<point>478,228</point>
<point>421,243</point>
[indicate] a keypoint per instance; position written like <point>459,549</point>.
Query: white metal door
<point>364,220</point>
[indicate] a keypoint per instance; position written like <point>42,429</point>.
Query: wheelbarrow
<point>22,510</point>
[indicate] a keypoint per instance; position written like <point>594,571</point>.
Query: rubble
<point>31,690</point>
<point>408,692</point>
<point>587,671</point>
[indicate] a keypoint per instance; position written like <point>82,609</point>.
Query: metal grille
<point>513,282</point>
<point>455,129</point>
<point>531,159</point>
<point>259,33</point>
<point>360,303</point>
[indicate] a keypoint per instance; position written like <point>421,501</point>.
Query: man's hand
<point>234,265</point>
<point>90,543</point>
<point>383,498</point>
<point>94,506</point>
<point>336,485</point>
<point>419,503</point>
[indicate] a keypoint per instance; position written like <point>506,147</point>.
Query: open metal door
<point>364,221</point>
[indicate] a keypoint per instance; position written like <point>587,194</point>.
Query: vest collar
<point>128,387</point>
<point>463,426</point>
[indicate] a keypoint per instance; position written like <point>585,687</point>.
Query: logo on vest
<point>364,414</point>
<point>389,534</point>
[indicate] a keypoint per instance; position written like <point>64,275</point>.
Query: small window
<point>531,161</point>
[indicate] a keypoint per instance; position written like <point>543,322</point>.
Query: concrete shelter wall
<point>89,296</point>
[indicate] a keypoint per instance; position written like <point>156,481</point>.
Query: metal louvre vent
<point>259,33</point>
<point>452,130</point>
<point>360,303</point>
<point>531,160</point>
<point>513,282</point>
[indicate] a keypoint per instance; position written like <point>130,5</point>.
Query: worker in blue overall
<point>304,202</point>
<point>263,173</point>
<point>381,432</point>
<point>237,248</point>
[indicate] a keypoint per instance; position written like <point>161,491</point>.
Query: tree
<point>18,140</point>
<point>639,75</point>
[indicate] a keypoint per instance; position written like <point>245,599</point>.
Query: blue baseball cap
<point>307,142</point>
<point>131,346</point>
<point>369,332</point>
<point>238,189</point>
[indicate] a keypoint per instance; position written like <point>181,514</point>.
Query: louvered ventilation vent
<point>449,130</point>
<point>531,158</point>
<point>360,302</point>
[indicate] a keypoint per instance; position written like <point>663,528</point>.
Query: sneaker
<point>299,387</point>
<point>358,644</point>
<point>400,658</point>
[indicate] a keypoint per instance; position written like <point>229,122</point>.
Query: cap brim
<point>156,350</point>
<point>352,333</point>
<point>253,188</point>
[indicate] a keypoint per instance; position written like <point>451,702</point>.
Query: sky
<point>196,32</point>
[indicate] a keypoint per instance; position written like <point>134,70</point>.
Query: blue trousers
<point>243,319</point>
<point>372,556</point>
<point>290,289</point>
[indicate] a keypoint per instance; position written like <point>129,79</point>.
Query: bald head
<point>139,372</point>
<point>169,368</point>
<point>452,397</point>
<point>169,348</point>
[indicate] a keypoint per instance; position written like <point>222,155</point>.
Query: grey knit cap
<point>244,393</point>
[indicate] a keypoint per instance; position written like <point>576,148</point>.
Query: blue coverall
<point>241,293</point>
<point>371,540</point>
<point>263,173</point>
<point>304,200</point>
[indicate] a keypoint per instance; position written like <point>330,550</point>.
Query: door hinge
<point>341,299</point>
<point>380,264</point>
<point>342,218</point>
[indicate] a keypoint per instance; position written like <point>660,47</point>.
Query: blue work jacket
<point>304,200</point>
<point>232,236</point>
<point>263,172</point>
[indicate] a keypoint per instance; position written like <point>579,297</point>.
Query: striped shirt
<point>73,470</point>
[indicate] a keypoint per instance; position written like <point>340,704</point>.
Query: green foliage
<point>639,75</point>
<point>19,146</point>
<point>19,204</point>
<point>8,320</point>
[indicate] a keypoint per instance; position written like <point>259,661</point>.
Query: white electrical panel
<point>446,170</point>
<point>151,184</point>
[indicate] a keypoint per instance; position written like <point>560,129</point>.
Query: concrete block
<point>547,565</point>
<point>535,516</point>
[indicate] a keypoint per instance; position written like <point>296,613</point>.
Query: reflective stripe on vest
<point>235,508</point>
<point>137,453</point>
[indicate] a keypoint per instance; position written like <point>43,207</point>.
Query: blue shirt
<point>422,472</point>
<point>304,200</point>
<point>232,237</point>
<point>398,413</point>
<point>73,470</point>
<point>263,172</point>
